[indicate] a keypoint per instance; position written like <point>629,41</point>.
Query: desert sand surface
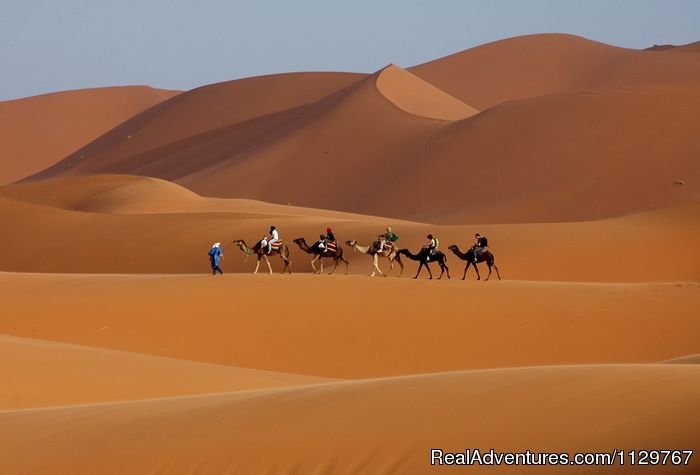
<point>36,132</point>
<point>327,428</point>
<point>334,326</point>
<point>37,373</point>
<point>121,353</point>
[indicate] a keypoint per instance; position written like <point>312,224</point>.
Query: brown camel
<point>259,252</point>
<point>390,252</point>
<point>425,258</point>
<point>468,256</point>
<point>320,254</point>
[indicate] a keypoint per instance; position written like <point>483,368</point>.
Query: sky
<point>53,45</point>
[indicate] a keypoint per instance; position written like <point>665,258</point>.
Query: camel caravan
<point>385,246</point>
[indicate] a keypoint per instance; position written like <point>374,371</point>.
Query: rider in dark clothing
<point>325,239</point>
<point>479,245</point>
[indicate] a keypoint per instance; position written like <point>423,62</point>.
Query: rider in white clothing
<point>274,237</point>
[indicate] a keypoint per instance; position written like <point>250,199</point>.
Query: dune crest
<point>38,373</point>
<point>418,97</point>
<point>553,63</point>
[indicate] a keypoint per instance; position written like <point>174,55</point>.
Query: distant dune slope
<point>536,65</point>
<point>36,373</point>
<point>378,426</point>
<point>38,131</point>
<point>568,157</point>
<point>207,109</point>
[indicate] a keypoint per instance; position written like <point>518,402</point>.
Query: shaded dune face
<point>37,132</point>
<point>203,111</point>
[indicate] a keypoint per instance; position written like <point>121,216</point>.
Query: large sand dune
<point>391,144</point>
<point>37,132</point>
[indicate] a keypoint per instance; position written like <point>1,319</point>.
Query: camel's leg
<point>442,269</point>
<point>420,266</point>
<point>465,270</point>
<point>313,266</point>
<point>430,273</point>
<point>487,277</point>
<point>321,259</point>
<point>398,259</point>
<point>478,276</point>
<point>497,272</point>
<point>267,261</point>
<point>335,266</point>
<point>257,265</point>
<point>376,267</point>
<point>445,269</point>
<point>287,265</point>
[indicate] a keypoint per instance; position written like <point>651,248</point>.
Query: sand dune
<point>37,132</point>
<point>36,373</point>
<point>687,48</point>
<point>568,157</point>
<point>415,96</point>
<point>209,109</point>
<point>533,160</point>
<point>353,326</point>
<point>371,426</point>
<point>542,64</point>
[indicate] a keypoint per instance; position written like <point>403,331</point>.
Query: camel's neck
<point>460,254</point>
<point>410,255</point>
<point>362,249</point>
<point>304,247</point>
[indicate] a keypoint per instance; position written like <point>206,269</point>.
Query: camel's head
<point>453,247</point>
<point>299,240</point>
<point>351,243</point>
<point>241,245</point>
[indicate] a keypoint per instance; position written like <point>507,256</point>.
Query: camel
<point>320,254</point>
<point>260,253</point>
<point>424,258</point>
<point>389,252</point>
<point>468,256</point>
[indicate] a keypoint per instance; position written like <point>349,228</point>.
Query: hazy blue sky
<point>54,45</point>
